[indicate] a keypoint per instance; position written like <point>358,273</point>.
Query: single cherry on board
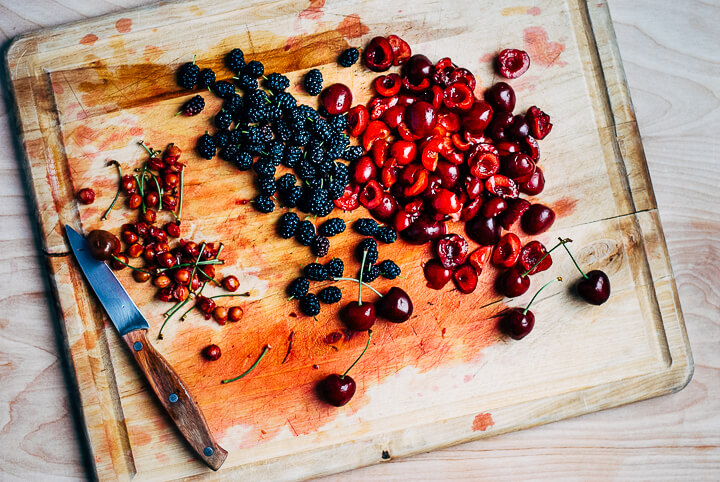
<point>337,389</point>
<point>102,244</point>
<point>594,287</point>
<point>512,63</point>
<point>395,306</point>
<point>517,323</point>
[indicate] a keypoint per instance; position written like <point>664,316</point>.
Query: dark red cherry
<point>395,306</point>
<point>484,231</point>
<point>378,55</point>
<point>517,166</point>
<point>519,129</point>
<point>537,219</point>
<point>336,99</point>
<point>517,323</point>
<point>417,68</point>
<point>466,278</point>
<point>494,206</point>
<point>511,283</point>
<point>436,274</point>
<point>359,317</point>
<point>512,63</point>
<point>595,288</point>
<point>420,118</point>
<point>452,249</point>
<point>102,244</point>
<point>535,184</point>
<point>501,96</point>
<point>423,230</point>
<point>337,389</point>
<point>477,118</point>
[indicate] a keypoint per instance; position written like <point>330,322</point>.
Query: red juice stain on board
<point>564,206</point>
<point>534,11</point>
<point>352,27</point>
<point>541,50</point>
<point>124,25</point>
<point>314,11</point>
<point>482,422</point>
<point>89,39</point>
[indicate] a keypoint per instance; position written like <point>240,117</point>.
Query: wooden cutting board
<point>88,92</point>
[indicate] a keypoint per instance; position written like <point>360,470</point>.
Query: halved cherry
<point>393,116</point>
<point>406,134</point>
<point>448,152</point>
<point>363,170</point>
<point>507,251</point>
<point>420,118</point>
<point>386,208</point>
<point>402,220</point>
<point>471,209</point>
<point>505,148</point>
<point>400,49</point>
<point>476,119</point>
<point>494,206</point>
<point>446,202</point>
<point>460,143</point>
<point>423,84</point>
<point>478,139</point>
<point>379,105</point>
<point>436,274</point>
<point>501,186</point>
<point>518,167</point>
<point>357,120</point>
<point>450,121</point>
<point>375,130</point>
<point>404,151</point>
<point>480,257</point>
<point>452,250</point>
<point>405,99</point>
<point>530,146</point>
<point>516,208</point>
<point>512,63</point>
<point>442,71</point>
<point>535,184</point>
<point>379,152</point>
<point>540,125</point>
<point>419,182</point>
<point>430,152</point>
<point>387,85</point>
<point>530,254</point>
<point>483,164</point>
<point>436,96</point>
<point>464,76</point>
<point>378,55</point>
<point>371,195</point>
<point>388,174</point>
<point>465,278</point>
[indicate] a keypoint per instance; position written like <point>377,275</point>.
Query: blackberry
<point>296,117</point>
<point>258,98</point>
<point>314,154</point>
<point>291,156</point>
<point>285,100</point>
<point>254,69</point>
<point>300,138</point>
<point>325,208</point>
<point>264,204</point>
<point>255,148</point>
<point>188,75</point>
<point>291,197</point>
<point>310,305</point>
<point>313,82</point>
<point>206,146</point>
<point>342,171</point>
<point>243,161</point>
<point>366,226</point>
<point>305,233</point>
<point>264,168</point>
<point>236,135</point>
<point>331,227</point>
<point>348,57</point>
<point>386,234</point>
<point>282,130</point>
<point>223,119</point>
<point>305,170</point>
<point>273,112</point>
<point>266,185</point>
<point>257,114</point>
<point>206,78</point>
<point>277,82</point>
<point>336,189</point>
<point>223,89</point>
<point>330,295</point>
<point>287,226</point>
<point>194,106</point>
<point>318,197</point>
<point>234,104</point>
<point>321,129</point>
<point>298,287</point>
<point>320,246</point>
<point>275,150</point>
<point>221,138</point>
<point>389,269</point>
<point>353,153</point>
<point>370,273</point>
<point>370,245</point>
<point>316,272</point>
<point>247,82</point>
<point>325,168</point>
<point>286,182</point>
<point>235,60</point>
<point>335,267</point>
<point>338,123</point>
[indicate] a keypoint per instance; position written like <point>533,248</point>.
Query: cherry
<point>537,219</point>
<point>494,206</point>
<point>501,97</point>
<point>386,209</point>
<point>357,315</point>
<point>162,281</point>
<point>449,174</point>
<point>235,313</point>
<point>395,306</point>
<point>517,323</point>
<point>403,151</point>
<point>336,99</point>
<point>484,231</point>
<point>102,244</point>
<point>436,274</point>
<point>502,186</point>
<point>205,305</point>
<point>220,314</point>
<point>420,118</point>
<point>479,257</point>
<point>118,262</point>
<point>400,49</point>
<point>211,352</point>
<point>172,154</point>
<point>519,129</point>
<point>446,202</point>
<point>452,249</point>
<point>535,184</point>
<point>128,184</point>
<point>539,122</point>
<point>230,283</point>
<point>534,258</point>
<point>363,170</point>
<point>357,120</point>
<point>518,167</point>
<point>378,55</point>
<point>501,122</point>
<point>339,389</point>
<point>466,278</point>
<point>507,251</point>
<point>423,230</point>
<point>372,195</point>
<point>387,85</point>
<point>512,283</point>
<point>476,119</point>
<point>512,63</point>
<point>483,163</point>
<point>515,209</point>
<point>182,276</point>
<point>594,287</point>
<point>417,68</point>
<point>86,195</point>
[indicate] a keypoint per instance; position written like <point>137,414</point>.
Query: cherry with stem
<point>515,282</point>
<point>517,323</point>
<point>339,389</point>
<point>594,287</point>
<point>359,316</point>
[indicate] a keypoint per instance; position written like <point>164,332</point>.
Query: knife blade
<point>172,392</point>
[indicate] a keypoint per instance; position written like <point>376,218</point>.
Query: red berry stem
<point>247,293</point>
<point>538,292</point>
<point>131,267</point>
<point>180,195</point>
<point>262,355</point>
<point>575,262</point>
<point>117,194</point>
<point>562,242</point>
<point>361,354</point>
<point>159,190</point>
<point>355,280</point>
<point>152,152</point>
<point>360,283</point>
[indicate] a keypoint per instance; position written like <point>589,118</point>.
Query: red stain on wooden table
<point>541,50</point>
<point>352,27</point>
<point>89,39</point>
<point>482,422</point>
<point>124,25</point>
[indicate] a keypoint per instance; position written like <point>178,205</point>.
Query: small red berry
<point>86,196</point>
<point>211,352</point>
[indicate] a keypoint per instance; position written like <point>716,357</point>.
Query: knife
<point>173,394</point>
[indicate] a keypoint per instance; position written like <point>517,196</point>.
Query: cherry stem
<point>538,292</point>
<point>575,262</point>
<point>117,194</point>
<point>562,242</point>
<point>362,267</point>
<point>160,193</point>
<point>361,354</point>
<point>197,295</point>
<point>187,265</point>
<point>355,280</point>
<point>262,355</point>
<point>247,293</point>
<point>197,260</point>
<point>180,201</point>
<point>131,267</point>
<point>152,152</point>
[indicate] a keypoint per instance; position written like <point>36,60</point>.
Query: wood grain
<point>617,445</point>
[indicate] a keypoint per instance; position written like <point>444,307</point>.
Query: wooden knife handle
<point>176,398</point>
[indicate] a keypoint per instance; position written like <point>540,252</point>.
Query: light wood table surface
<point>671,53</point>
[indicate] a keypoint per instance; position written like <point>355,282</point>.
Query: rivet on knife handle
<point>176,399</point>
